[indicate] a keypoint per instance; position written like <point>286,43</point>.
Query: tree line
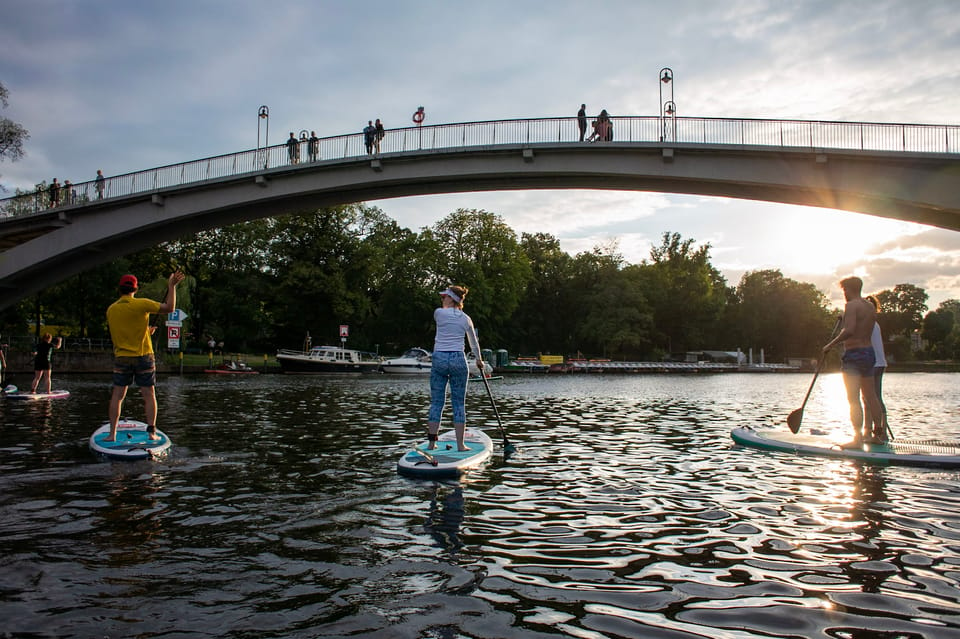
<point>264,284</point>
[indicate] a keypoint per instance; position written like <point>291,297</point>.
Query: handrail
<point>785,134</point>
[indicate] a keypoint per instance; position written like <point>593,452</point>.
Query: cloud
<point>125,86</point>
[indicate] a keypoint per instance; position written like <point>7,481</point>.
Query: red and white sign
<point>344,330</point>
<point>173,336</point>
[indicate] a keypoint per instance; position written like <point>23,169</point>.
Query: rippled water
<point>626,512</point>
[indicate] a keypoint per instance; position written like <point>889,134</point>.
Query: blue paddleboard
<point>901,452</point>
<point>56,394</point>
<point>132,442</point>
<point>445,460</point>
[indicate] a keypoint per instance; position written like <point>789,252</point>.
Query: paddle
<point>507,446</point>
<point>430,458</point>
<point>794,418</point>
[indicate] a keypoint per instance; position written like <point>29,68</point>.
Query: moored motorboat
<point>232,367</point>
<point>328,359</point>
<point>417,361</point>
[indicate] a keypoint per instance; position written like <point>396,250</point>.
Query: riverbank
<point>69,362</point>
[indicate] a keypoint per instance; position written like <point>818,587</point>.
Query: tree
<point>941,330</point>
<point>12,135</point>
<point>780,315</point>
<point>544,324</point>
<point>902,309</point>
<point>477,249</point>
<point>686,293</point>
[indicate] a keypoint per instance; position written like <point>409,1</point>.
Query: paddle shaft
<point>794,418</point>
<point>812,382</point>
<point>493,404</point>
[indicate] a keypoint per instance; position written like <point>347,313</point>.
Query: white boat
<point>328,359</point>
<point>417,361</point>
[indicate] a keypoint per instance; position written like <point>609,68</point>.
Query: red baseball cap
<point>128,280</point>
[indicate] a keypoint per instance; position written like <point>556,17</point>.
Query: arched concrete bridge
<point>905,172</point>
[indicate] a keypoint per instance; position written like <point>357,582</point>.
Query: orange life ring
<point>418,116</point>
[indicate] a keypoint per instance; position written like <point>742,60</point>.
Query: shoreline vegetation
<point>80,362</point>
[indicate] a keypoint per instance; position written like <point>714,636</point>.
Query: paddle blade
<point>794,419</point>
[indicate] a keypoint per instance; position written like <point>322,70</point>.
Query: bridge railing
<point>787,134</point>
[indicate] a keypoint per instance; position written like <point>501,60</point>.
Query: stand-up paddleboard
<point>445,460</point>
<point>900,452</point>
<point>55,394</point>
<point>132,442</point>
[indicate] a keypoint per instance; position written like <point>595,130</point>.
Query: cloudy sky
<point>125,85</point>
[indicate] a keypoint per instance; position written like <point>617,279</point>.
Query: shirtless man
<point>857,363</point>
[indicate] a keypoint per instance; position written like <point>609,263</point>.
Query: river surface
<point>626,511</point>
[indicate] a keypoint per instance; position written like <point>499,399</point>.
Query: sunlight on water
<point>627,511</point>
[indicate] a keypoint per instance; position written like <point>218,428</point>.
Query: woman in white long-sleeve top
<point>880,365</point>
<point>449,363</point>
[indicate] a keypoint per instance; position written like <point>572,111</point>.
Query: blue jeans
<point>448,367</point>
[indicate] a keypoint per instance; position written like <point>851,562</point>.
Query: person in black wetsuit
<point>43,361</point>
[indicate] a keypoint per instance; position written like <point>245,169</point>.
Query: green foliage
<point>784,317</point>
<point>941,331</point>
<point>902,309</point>
<point>686,293</point>
<point>12,135</point>
<point>477,249</point>
<point>262,285</point>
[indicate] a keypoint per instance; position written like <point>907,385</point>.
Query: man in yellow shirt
<point>134,362</point>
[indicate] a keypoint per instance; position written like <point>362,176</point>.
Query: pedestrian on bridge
<point>369,133</point>
<point>582,120</point>
<point>98,184</point>
<point>378,134</point>
<point>313,147</point>
<point>293,148</point>
<point>54,192</point>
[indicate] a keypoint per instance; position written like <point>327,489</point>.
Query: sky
<point>124,86</point>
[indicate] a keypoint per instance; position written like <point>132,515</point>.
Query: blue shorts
<point>858,361</point>
<point>142,370</point>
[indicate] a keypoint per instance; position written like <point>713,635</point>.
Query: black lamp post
<point>668,108</point>
<point>263,116</point>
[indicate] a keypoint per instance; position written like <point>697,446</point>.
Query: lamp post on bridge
<point>668,109</point>
<point>304,136</point>
<point>264,114</point>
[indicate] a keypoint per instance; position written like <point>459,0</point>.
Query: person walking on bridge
<point>582,120</point>
<point>129,321</point>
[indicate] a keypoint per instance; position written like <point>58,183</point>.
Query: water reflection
<point>626,512</point>
<point>445,518</point>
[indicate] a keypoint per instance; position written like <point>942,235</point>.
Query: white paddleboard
<point>900,452</point>
<point>132,442</point>
<point>55,394</point>
<point>445,460</point>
